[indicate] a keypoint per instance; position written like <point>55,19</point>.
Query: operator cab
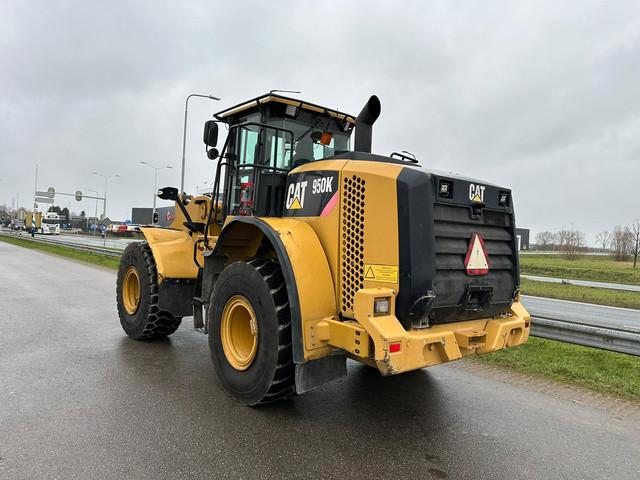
<point>269,136</point>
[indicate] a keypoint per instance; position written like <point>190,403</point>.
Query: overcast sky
<point>542,97</point>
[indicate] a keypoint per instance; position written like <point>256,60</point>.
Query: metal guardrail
<point>111,252</point>
<point>606,338</point>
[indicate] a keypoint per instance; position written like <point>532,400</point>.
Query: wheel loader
<point>311,250</point>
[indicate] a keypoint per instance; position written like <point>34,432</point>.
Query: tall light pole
<point>35,189</point>
<point>33,217</point>
<point>184,131</point>
<point>155,185</point>
<point>95,215</point>
<point>106,178</point>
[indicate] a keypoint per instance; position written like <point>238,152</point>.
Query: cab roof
<point>249,105</point>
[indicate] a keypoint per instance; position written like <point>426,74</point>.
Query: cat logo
<point>295,195</point>
<point>476,193</point>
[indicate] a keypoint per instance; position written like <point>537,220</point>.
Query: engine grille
<point>352,248</point>
<point>454,226</point>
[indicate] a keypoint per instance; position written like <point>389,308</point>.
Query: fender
<point>304,266</point>
<point>173,252</point>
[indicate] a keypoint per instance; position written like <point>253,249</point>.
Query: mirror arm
<point>189,221</point>
<point>171,193</point>
<point>215,191</point>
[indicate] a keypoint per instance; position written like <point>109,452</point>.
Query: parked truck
<point>47,223</point>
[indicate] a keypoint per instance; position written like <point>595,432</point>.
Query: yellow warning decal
<point>381,273</point>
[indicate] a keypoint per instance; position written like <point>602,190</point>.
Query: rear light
<point>381,306</point>
<point>394,347</point>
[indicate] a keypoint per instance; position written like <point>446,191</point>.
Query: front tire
<point>137,296</point>
<point>250,332</point>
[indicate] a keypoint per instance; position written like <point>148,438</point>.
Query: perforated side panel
<point>352,250</point>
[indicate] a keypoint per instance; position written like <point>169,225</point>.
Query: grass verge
<point>93,258</point>
<point>596,268</point>
<point>599,370</point>
<point>599,296</point>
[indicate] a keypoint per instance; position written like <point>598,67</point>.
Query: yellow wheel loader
<point>310,250</point>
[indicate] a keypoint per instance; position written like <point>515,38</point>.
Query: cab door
<point>241,178</point>
<point>258,172</point>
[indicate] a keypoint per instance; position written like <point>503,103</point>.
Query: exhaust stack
<point>364,125</point>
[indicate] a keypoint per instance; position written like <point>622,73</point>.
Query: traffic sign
<point>47,194</point>
<point>78,195</point>
<point>44,200</point>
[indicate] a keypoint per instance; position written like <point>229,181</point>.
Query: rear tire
<point>137,296</point>
<point>252,375</point>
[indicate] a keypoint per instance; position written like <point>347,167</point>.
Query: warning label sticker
<point>477,262</point>
<point>381,273</point>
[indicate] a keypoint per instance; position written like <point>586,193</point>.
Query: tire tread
<point>283,383</point>
<point>159,323</point>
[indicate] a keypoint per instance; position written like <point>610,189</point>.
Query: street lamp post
<point>184,132</point>
<point>104,204</point>
<point>155,185</point>
<point>33,217</point>
<point>95,215</point>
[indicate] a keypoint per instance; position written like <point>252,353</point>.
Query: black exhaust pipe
<point>364,125</point>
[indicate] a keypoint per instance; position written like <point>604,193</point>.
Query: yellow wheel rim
<point>239,332</point>
<point>131,290</point>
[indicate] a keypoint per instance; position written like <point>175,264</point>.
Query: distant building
<point>522,236</point>
<point>143,216</point>
<point>78,221</point>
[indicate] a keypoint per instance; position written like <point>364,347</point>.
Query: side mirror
<point>210,136</point>
<point>168,193</point>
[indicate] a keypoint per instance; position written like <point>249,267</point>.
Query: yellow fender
<point>173,252</point>
<point>304,266</point>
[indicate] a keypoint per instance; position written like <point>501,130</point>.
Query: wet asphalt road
<point>585,283</point>
<point>78,399</point>
<point>586,313</point>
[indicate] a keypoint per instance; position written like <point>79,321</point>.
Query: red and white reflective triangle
<point>477,260</point>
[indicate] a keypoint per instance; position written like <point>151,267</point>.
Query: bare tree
<point>562,237</point>
<point>635,241</point>
<point>602,239</point>
<point>621,239</point>
<point>571,242</point>
<point>544,240</point>
<point>574,241</point>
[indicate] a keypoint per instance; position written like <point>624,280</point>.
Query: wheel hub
<point>131,290</point>
<point>239,332</point>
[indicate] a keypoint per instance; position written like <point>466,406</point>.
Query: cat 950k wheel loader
<point>310,250</point>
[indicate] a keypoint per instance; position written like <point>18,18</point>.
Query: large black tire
<point>147,321</point>
<point>270,375</point>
